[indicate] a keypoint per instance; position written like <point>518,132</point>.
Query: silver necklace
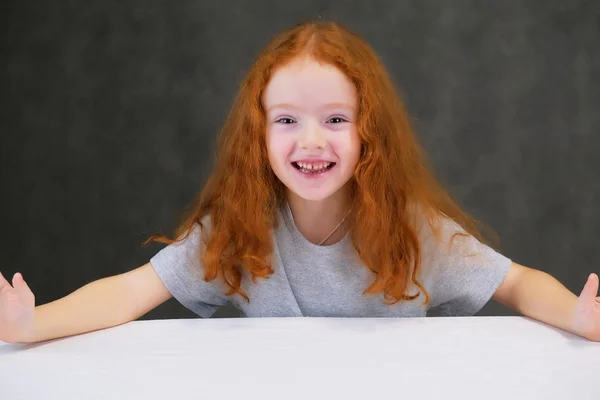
<point>334,229</point>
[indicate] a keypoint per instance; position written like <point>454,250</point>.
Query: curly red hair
<point>243,194</point>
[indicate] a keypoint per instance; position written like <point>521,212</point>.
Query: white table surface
<point>308,358</point>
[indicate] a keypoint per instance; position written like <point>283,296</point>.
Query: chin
<point>313,194</point>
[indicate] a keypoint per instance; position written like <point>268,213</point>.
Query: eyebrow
<point>328,105</point>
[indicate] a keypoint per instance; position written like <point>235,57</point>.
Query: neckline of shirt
<point>301,240</point>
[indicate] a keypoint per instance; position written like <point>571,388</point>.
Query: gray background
<point>110,110</point>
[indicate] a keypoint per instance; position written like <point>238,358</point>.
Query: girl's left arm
<point>536,294</point>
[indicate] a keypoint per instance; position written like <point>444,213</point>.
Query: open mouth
<point>310,169</point>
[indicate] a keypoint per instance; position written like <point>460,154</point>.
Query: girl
<point>320,205</point>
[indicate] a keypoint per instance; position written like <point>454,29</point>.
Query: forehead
<point>305,81</point>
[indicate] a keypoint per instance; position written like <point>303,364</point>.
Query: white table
<point>308,358</point>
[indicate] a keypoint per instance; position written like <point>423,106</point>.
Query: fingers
<point>590,290</point>
<point>20,285</point>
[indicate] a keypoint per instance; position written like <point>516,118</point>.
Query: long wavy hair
<point>242,195</point>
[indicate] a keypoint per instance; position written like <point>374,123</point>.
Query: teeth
<point>314,167</point>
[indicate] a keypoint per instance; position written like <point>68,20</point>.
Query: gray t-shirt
<point>329,281</point>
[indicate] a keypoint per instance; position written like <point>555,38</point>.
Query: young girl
<point>320,205</point>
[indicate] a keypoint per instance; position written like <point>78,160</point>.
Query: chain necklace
<point>334,229</point>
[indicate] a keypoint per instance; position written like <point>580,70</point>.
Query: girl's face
<point>311,138</point>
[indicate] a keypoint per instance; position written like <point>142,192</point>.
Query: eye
<point>336,120</point>
<point>285,120</point>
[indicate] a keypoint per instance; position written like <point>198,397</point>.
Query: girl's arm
<point>100,304</point>
<point>538,295</point>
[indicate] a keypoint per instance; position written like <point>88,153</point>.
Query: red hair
<point>243,194</point>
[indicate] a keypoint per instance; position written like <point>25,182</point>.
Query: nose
<point>312,137</point>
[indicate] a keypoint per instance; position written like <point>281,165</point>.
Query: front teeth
<point>315,167</point>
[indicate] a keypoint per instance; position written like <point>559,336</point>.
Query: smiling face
<point>311,112</point>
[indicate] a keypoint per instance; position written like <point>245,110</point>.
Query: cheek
<point>348,146</point>
<point>278,148</point>
<point>356,146</point>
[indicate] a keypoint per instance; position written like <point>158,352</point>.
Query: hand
<point>586,319</point>
<point>17,304</point>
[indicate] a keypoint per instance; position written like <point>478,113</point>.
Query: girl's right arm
<point>101,304</point>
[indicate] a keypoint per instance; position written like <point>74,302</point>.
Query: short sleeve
<point>462,274</point>
<point>178,267</point>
